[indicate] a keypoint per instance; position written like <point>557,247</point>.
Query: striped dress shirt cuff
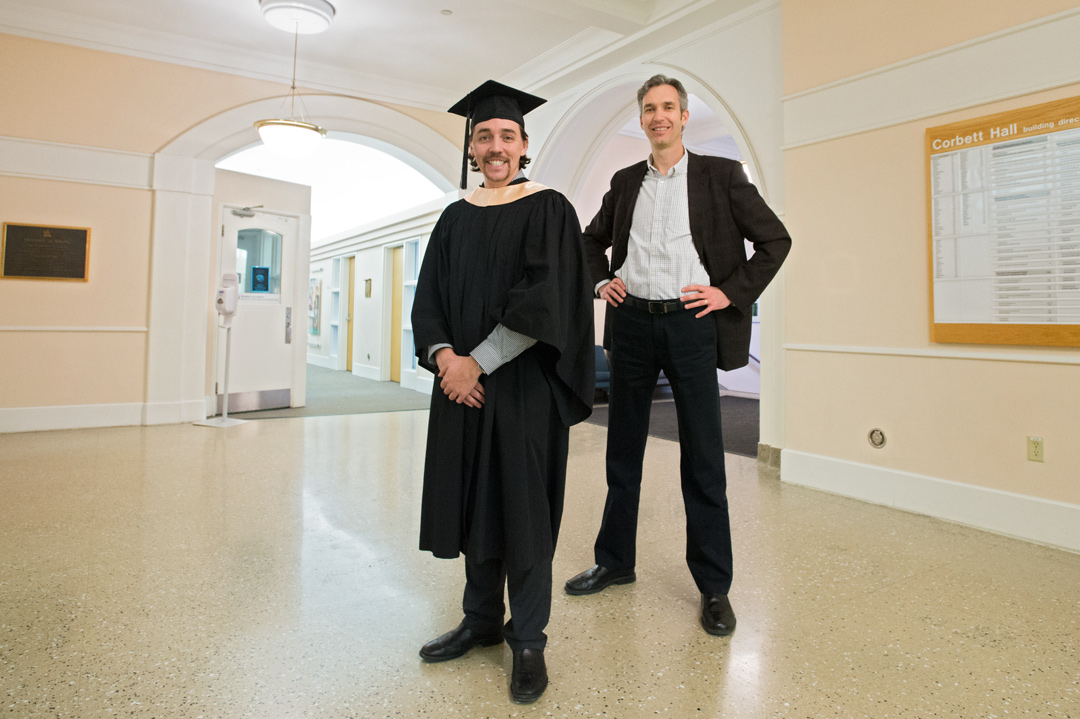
<point>501,346</point>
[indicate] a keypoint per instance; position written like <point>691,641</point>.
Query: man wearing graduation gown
<point>503,315</point>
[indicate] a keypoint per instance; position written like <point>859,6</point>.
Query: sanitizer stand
<point>226,306</point>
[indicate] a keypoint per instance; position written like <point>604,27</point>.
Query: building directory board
<point>1004,226</point>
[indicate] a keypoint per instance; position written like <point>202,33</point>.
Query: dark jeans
<point>530,601</point>
<point>684,347</point>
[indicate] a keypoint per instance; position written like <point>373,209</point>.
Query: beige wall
<point>87,97</point>
<point>46,369</point>
<point>857,327</point>
<point>963,421</point>
<point>85,341</point>
<point>873,265</point>
<point>79,130</point>
<point>828,40</point>
<point>452,127</point>
<point>119,220</point>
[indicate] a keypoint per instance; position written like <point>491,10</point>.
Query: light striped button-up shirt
<point>498,348</point>
<point>661,258</point>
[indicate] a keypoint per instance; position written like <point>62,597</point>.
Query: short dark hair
<point>657,81</point>
<point>525,159</point>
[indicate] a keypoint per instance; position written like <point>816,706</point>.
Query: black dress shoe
<point>529,678</point>
<point>593,580</point>
<point>717,616</point>
<point>455,643</point>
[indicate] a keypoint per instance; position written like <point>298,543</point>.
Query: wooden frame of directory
<point>1003,223</point>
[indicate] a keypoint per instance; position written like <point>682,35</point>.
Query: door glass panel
<point>258,261</point>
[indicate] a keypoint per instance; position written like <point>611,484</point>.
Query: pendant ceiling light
<point>294,137</point>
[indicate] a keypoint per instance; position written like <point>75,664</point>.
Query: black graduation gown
<point>494,477</point>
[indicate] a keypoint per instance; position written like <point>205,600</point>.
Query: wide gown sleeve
<point>430,326</point>
<point>553,303</point>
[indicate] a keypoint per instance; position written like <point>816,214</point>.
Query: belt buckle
<point>659,308</point>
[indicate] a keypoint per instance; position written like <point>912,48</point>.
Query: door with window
<point>260,247</point>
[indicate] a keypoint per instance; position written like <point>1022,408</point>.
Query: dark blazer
<point>724,208</point>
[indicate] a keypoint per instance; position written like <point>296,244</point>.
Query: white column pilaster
<point>182,236</point>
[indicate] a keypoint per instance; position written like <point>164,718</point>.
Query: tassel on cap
<point>489,101</point>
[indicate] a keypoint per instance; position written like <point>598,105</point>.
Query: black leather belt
<point>655,307</point>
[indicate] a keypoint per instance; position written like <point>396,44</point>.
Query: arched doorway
<point>592,141</point>
<point>183,186</point>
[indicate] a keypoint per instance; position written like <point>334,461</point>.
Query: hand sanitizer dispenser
<point>228,296</point>
<point>226,304</point>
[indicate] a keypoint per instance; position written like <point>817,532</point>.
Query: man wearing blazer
<point>679,289</point>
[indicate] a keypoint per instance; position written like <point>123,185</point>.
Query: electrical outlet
<point>1036,450</point>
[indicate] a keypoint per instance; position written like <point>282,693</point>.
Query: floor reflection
<point>271,570</point>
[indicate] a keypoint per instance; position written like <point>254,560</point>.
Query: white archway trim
<point>571,149</point>
<point>696,86</point>
<point>413,142</point>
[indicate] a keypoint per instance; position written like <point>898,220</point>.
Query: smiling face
<point>662,119</point>
<point>497,146</point>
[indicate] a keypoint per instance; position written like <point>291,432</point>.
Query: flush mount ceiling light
<point>306,17</point>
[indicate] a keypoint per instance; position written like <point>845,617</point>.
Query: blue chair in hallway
<point>603,370</point>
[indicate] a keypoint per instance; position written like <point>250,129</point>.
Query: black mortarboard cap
<point>489,101</point>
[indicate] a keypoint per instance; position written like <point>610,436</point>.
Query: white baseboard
<point>325,362</point>
<point>174,412</point>
<point>366,371</point>
<point>37,419</point>
<point>424,385</point>
<point>1044,521</point>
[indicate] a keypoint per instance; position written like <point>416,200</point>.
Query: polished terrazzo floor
<point>270,570</point>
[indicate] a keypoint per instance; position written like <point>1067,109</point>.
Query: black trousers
<point>684,347</point>
<point>530,601</point>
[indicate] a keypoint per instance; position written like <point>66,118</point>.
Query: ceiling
<point>425,53</point>
<point>405,51</point>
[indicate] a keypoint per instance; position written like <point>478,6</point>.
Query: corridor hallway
<point>270,570</point>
